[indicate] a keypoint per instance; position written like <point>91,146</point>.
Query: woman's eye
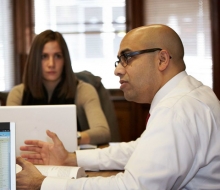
<point>59,56</point>
<point>44,56</point>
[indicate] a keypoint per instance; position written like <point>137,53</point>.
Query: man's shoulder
<point>189,93</point>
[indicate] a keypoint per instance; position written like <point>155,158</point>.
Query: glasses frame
<point>129,55</point>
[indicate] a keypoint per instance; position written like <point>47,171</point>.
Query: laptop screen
<point>33,121</point>
<point>7,156</point>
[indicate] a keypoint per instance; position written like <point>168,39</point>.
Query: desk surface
<point>107,173</point>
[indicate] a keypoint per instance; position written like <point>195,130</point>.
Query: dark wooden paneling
<point>131,116</point>
<point>23,33</point>
<point>215,28</point>
<point>134,14</point>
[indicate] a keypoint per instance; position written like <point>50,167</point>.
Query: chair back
<point>106,102</point>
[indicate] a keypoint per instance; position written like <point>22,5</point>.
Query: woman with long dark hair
<point>49,79</point>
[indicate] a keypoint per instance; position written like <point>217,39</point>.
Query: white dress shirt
<point>180,148</point>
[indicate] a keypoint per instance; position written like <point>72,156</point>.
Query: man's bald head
<point>159,36</point>
<point>145,71</point>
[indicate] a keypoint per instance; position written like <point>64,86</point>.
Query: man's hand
<point>48,153</point>
<point>29,177</point>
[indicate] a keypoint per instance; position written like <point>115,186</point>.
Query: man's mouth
<point>123,84</point>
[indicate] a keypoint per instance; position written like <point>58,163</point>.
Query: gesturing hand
<point>44,152</point>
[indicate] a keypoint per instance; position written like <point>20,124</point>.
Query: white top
<point>180,148</point>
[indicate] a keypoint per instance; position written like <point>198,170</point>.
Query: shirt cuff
<point>54,183</point>
<point>88,159</point>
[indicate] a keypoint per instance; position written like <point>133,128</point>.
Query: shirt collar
<point>172,83</point>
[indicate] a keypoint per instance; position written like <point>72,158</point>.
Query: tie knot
<point>147,117</point>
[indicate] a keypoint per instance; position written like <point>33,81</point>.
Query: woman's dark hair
<point>32,77</point>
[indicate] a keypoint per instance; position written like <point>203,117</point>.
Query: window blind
<point>6,46</point>
<point>191,20</point>
<point>93,30</point>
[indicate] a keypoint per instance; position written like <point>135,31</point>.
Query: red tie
<point>147,118</point>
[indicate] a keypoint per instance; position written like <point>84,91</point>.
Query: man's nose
<point>119,70</point>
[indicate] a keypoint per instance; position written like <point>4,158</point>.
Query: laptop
<point>7,156</point>
<point>33,121</point>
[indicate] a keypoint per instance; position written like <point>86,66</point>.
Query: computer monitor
<point>7,156</point>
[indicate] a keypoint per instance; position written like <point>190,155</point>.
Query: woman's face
<point>52,62</point>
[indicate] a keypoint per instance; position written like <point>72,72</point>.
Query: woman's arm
<point>15,96</point>
<point>98,132</point>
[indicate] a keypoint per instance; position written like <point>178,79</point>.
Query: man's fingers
<point>34,142</point>
<point>21,161</point>
<point>36,161</point>
<point>33,158</point>
<point>37,156</point>
<point>30,148</point>
<point>54,137</point>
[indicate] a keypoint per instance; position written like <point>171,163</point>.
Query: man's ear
<point>164,58</point>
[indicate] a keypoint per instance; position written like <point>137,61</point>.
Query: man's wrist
<point>71,160</point>
<point>38,182</point>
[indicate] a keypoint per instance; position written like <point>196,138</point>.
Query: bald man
<point>180,148</point>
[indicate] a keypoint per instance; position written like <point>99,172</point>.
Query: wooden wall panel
<point>215,28</point>
<point>23,34</point>
<point>134,14</point>
<point>131,116</point>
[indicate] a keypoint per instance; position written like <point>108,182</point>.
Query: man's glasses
<point>124,57</point>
